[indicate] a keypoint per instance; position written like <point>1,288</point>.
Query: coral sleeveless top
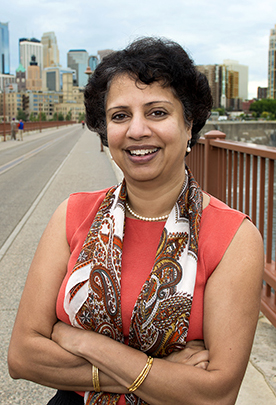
<point>219,223</point>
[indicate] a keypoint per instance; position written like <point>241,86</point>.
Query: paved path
<point>86,169</point>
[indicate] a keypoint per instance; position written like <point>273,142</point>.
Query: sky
<point>209,30</point>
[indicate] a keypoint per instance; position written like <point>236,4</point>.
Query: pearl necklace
<point>162,218</point>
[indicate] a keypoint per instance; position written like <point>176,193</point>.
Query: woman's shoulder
<point>86,196</point>
<point>81,210</point>
<point>218,219</point>
<point>217,208</point>
<point>219,224</point>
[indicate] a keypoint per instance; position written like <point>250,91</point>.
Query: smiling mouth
<point>142,152</point>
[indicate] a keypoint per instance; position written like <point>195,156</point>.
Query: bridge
<point>259,132</point>
<point>244,177</point>
<point>224,168</point>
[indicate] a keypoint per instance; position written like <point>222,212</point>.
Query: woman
<point>163,289</point>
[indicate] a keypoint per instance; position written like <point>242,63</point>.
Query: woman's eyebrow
<point>115,107</point>
<point>158,101</point>
<point>146,104</point>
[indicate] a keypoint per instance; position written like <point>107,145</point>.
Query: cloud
<point>210,31</point>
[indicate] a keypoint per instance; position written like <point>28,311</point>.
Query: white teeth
<point>142,152</point>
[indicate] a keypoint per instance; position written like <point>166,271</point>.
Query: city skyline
<point>209,31</point>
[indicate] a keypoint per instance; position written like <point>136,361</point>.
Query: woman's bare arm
<point>32,354</point>
<point>232,301</point>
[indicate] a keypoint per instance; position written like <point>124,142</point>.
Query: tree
<point>21,115</point>
<point>264,105</point>
<point>60,116</point>
<point>32,117</point>
<point>55,116</point>
<point>81,117</point>
<point>43,116</point>
<point>221,111</point>
<point>69,116</point>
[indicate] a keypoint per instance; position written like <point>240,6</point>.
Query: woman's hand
<point>68,337</point>
<point>194,354</point>
<point>73,340</point>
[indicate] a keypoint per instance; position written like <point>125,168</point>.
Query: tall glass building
<point>271,91</point>
<point>93,62</point>
<point>4,49</point>
<point>77,59</point>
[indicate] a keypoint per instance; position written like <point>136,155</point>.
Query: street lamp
<point>39,104</point>
<point>4,111</point>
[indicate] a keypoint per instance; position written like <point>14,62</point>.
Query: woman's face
<point>146,132</point>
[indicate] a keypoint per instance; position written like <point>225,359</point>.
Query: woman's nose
<point>138,127</point>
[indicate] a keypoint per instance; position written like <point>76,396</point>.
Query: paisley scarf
<point>160,318</point>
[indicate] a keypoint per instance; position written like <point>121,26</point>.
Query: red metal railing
<point>243,176</point>
<point>34,126</point>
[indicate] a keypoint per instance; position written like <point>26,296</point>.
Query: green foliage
<point>43,116</point>
<point>81,117</point>
<point>68,116</point>
<point>254,114</point>
<point>60,116</point>
<point>265,108</point>
<point>55,116</point>
<point>21,115</point>
<point>32,117</point>
<point>265,115</point>
<point>221,111</point>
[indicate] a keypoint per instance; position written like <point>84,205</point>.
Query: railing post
<point>211,165</point>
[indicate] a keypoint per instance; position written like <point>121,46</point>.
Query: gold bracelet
<point>142,376</point>
<point>95,378</point>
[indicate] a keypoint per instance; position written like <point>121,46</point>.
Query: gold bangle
<point>95,378</point>
<point>142,376</point>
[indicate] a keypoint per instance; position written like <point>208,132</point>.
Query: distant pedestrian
<point>20,129</point>
<point>13,129</point>
<point>82,123</point>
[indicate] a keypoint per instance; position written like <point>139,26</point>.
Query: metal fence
<point>244,177</point>
<point>5,129</point>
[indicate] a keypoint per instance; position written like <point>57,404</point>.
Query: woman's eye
<point>119,117</point>
<point>158,113</point>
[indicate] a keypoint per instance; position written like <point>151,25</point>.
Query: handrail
<point>244,177</point>
<point>33,126</point>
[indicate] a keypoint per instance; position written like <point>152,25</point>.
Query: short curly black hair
<point>150,60</point>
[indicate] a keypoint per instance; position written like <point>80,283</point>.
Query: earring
<point>188,150</point>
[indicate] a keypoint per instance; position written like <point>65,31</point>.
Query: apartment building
<point>271,91</point>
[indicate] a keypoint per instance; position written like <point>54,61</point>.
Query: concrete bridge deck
<point>94,172</point>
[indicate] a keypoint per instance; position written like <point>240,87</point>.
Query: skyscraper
<point>21,78</point>
<point>77,59</point>
<point>103,53</point>
<point>34,81</point>
<point>93,62</point>
<point>271,91</point>
<point>234,65</point>
<point>50,49</point>
<point>27,49</point>
<point>224,84</point>
<point>4,48</point>
<point>213,74</point>
<point>52,77</point>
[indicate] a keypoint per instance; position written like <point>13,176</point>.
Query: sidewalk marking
<point>7,166</point>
